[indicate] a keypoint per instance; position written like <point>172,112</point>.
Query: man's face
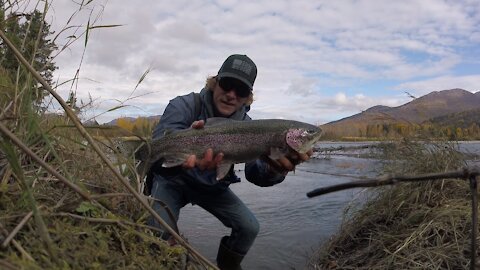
<point>227,101</point>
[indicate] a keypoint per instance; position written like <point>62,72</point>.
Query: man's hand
<point>287,164</point>
<point>209,162</point>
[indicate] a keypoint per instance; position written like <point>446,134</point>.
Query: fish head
<point>302,139</point>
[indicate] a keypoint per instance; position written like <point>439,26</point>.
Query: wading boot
<point>228,259</point>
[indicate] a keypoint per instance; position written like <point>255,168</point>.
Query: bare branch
<point>392,180</point>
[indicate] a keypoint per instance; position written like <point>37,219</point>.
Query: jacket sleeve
<point>178,115</point>
<point>257,172</point>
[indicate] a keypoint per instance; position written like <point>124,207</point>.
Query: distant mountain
<point>91,122</point>
<point>421,109</point>
<point>461,119</point>
<point>378,109</point>
<point>437,104</point>
<point>449,104</point>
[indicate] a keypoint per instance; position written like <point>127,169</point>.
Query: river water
<point>292,226</point>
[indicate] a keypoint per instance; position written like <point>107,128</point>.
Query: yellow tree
<point>459,133</point>
<point>126,124</point>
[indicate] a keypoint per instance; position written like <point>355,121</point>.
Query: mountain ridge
<point>421,109</point>
<point>438,108</point>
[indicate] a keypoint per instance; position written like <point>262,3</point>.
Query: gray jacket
<point>179,114</point>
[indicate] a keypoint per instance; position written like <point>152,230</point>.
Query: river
<point>292,226</point>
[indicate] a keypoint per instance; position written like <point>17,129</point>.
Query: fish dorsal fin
<point>218,121</point>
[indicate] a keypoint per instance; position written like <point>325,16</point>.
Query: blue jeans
<point>224,205</point>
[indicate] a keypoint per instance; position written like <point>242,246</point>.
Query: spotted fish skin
<point>239,141</point>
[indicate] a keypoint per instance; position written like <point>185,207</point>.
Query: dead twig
<point>17,245</point>
<point>4,264</point>
<point>106,221</point>
<point>473,190</point>
<point>16,230</point>
<point>40,161</point>
<point>392,180</point>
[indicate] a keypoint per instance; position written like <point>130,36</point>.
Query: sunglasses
<point>228,84</point>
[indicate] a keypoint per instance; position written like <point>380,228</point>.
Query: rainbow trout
<point>239,141</point>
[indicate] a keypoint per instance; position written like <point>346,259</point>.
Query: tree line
<point>381,131</point>
<point>30,34</point>
<point>125,127</point>
<point>141,126</point>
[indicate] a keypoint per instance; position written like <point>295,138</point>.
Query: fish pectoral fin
<point>173,161</point>
<point>276,153</point>
<point>223,169</point>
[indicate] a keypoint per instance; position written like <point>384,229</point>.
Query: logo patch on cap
<point>242,66</point>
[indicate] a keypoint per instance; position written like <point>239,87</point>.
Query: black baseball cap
<point>240,67</point>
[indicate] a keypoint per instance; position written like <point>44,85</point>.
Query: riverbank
<point>112,227</point>
<point>410,225</point>
<point>61,207</point>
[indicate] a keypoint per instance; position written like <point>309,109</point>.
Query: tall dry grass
<point>421,225</point>
<point>62,205</point>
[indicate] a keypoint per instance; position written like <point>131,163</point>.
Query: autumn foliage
<point>141,126</point>
<point>380,131</point>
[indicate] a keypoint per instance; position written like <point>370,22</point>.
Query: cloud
<point>470,83</point>
<point>320,53</point>
<point>191,32</point>
<point>301,86</point>
<point>319,109</point>
<point>340,99</point>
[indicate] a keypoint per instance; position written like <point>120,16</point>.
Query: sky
<point>318,61</point>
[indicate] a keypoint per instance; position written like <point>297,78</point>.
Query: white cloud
<point>340,99</point>
<point>191,32</point>
<point>320,109</point>
<point>304,48</point>
<point>302,86</point>
<point>475,37</point>
<point>469,83</point>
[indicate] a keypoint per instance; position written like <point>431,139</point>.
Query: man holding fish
<point>200,137</point>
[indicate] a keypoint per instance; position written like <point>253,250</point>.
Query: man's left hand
<point>287,164</point>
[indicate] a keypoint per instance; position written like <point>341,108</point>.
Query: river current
<point>292,226</point>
